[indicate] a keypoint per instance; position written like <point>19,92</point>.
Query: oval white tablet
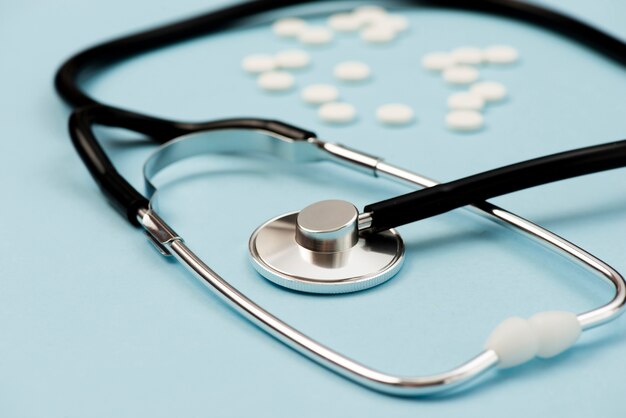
<point>344,22</point>
<point>289,27</point>
<point>352,71</point>
<point>465,101</point>
<point>460,74</point>
<point>275,81</point>
<point>464,120</point>
<point>378,34</point>
<point>292,58</point>
<point>437,61</point>
<point>395,114</point>
<point>320,93</point>
<point>490,91</point>
<point>258,63</point>
<point>315,35</point>
<point>467,55</point>
<point>336,112</point>
<point>501,54</point>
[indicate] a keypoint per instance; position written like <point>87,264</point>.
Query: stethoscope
<point>331,246</point>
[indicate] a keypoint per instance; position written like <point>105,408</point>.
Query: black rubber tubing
<point>89,112</point>
<point>445,197</point>
<point>124,197</point>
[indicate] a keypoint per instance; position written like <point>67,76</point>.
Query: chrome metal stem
<point>365,220</point>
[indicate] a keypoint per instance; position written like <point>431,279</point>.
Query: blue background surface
<point>93,323</point>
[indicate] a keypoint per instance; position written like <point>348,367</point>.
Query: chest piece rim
<point>320,250</point>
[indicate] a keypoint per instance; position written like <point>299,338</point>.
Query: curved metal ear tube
<point>315,150</point>
<point>227,141</point>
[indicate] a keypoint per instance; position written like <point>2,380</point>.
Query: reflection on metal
<point>315,150</point>
<point>276,255</point>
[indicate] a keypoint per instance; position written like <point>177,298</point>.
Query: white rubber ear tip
<point>514,342</point>
<point>556,331</point>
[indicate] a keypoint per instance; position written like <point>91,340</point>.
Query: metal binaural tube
<point>366,376</point>
<point>345,366</point>
<point>355,371</point>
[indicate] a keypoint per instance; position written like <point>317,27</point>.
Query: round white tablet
<point>464,120</point>
<point>258,63</point>
<point>344,22</point>
<point>501,54</point>
<point>352,71</point>
<point>369,13</point>
<point>320,93</point>
<point>490,91</point>
<point>378,34</point>
<point>315,35</point>
<point>289,27</point>
<point>292,58</point>
<point>395,114</point>
<point>460,74</point>
<point>275,81</point>
<point>467,55</point>
<point>398,23</point>
<point>437,61</point>
<point>466,101</point>
<point>337,112</point>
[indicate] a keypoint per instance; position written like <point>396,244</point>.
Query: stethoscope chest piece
<point>320,250</point>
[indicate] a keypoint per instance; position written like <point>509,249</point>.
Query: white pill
<point>460,74</point>
<point>258,63</point>
<point>315,35</point>
<point>369,13</point>
<point>275,81</point>
<point>437,61</point>
<point>344,22</point>
<point>292,58</point>
<point>465,101</point>
<point>556,331</point>
<point>514,341</point>
<point>464,120</point>
<point>289,27</point>
<point>320,93</point>
<point>398,23</point>
<point>491,91</point>
<point>501,54</point>
<point>467,55</point>
<point>352,71</point>
<point>395,114</point>
<point>337,113</point>
<point>378,34</point>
